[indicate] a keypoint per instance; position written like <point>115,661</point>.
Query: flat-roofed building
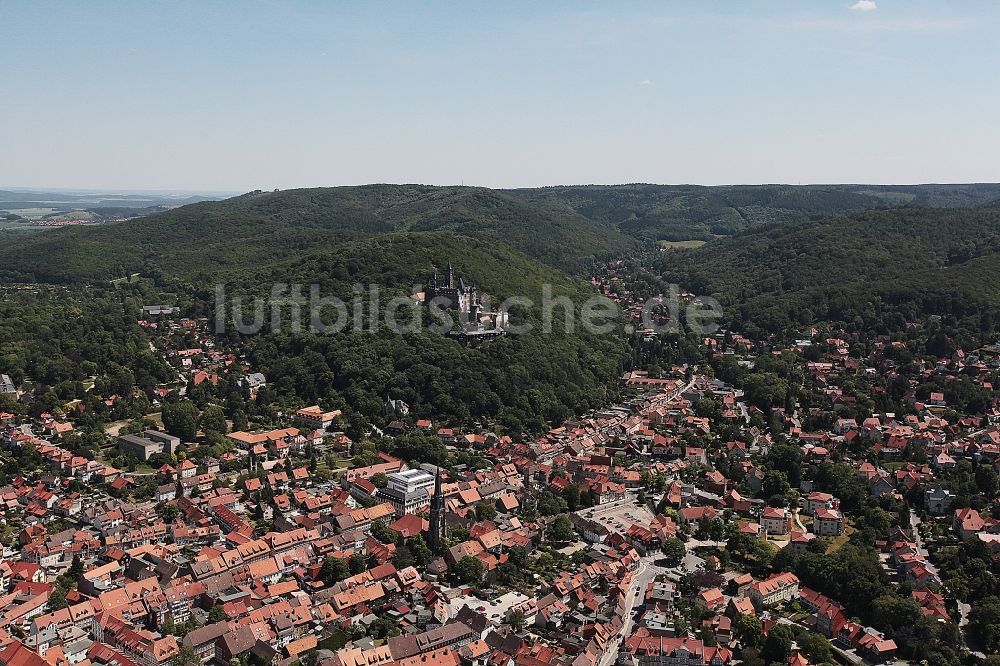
<point>409,491</point>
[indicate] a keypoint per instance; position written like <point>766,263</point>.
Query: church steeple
<point>438,531</point>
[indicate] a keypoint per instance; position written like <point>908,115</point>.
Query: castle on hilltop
<point>451,293</point>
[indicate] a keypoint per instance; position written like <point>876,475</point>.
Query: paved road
<point>963,608</point>
<point>647,572</point>
<point>921,549</point>
<point>851,656</point>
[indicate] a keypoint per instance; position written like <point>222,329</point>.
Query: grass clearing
<point>682,245</point>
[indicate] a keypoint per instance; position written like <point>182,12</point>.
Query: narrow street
<point>963,608</point>
<point>647,572</point>
<point>921,549</point>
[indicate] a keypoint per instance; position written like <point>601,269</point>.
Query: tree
<point>984,622</point>
<point>185,655</point>
<point>764,551</point>
<point>987,480</point>
<point>891,611</point>
<point>383,628</point>
<point>778,644</point>
<point>422,553</point>
<point>379,480</point>
<point>786,458</point>
<point>168,512</point>
<point>485,512</point>
<point>217,614</point>
<point>775,484</point>
<point>571,494</point>
<point>419,446</point>
<point>550,504</point>
<point>333,570</point>
<point>240,421</point>
<point>470,570</point>
<point>561,529</point>
<point>403,558</point>
<point>57,599</point>
<point>383,532</point>
<point>357,563</point>
<point>749,631</point>
<point>815,647</point>
<point>213,419</point>
<point>76,568</point>
<point>516,620</point>
<point>181,419</point>
<point>673,551</point>
<point>765,390</point>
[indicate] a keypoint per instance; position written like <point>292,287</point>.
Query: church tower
<point>438,530</point>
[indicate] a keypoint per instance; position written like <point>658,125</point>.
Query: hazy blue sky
<point>264,94</point>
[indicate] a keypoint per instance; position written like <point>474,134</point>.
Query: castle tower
<point>438,530</point>
<point>449,277</point>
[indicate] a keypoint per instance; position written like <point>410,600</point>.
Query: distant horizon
<point>172,191</point>
<point>233,96</point>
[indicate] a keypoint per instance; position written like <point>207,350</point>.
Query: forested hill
<point>564,227</point>
<point>522,383</point>
<point>692,212</point>
<point>390,236</point>
<point>261,229</point>
<point>887,265</point>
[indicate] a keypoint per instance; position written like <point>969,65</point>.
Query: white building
<point>409,491</point>
<point>774,520</point>
<point>828,523</point>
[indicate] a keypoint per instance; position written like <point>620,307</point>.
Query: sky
<point>264,94</point>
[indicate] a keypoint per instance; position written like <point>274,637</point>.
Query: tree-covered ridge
<point>61,341</point>
<point>521,383</point>
<point>261,229</point>
<point>686,212</point>
<point>398,262</point>
<point>861,247</point>
<point>517,383</point>
<point>883,266</point>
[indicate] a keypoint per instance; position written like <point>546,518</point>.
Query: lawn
<point>335,641</point>
<point>668,245</point>
<point>840,541</point>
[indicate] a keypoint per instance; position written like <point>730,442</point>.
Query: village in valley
<point>500,333</point>
<point>703,518</point>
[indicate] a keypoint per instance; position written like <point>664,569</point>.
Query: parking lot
<point>494,610</point>
<point>619,516</point>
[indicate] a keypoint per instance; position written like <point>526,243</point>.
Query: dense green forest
<point>59,339</point>
<point>391,236</point>
<point>781,269</point>
<point>565,227</point>
<point>400,262</point>
<point>879,267</point>
<point>63,339</point>
<point>692,212</point>
<point>210,239</point>
<point>520,382</point>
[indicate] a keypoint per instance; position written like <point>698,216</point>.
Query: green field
<point>20,227</point>
<point>667,245</point>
